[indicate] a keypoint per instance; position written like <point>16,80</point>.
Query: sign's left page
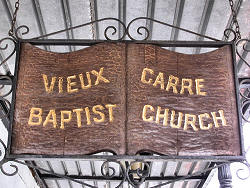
<point>70,103</point>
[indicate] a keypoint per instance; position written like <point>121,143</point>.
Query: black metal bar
<point>4,65</point>
<point>12,107</point>
<point>9,11</point>
<point>204,181</point>
<point>37,175</point>
<point>126,157</point>
<point>177,170</point>
<point>204,22</point>
<point>66,172</point>
<point>79,170</point>
<point>122,15</point>
<point>150,14</point>
<point>162,43</point>
<point>190,172</point>
<point>3,113</point>
<point>67,21</point>
<point>150,171</point>
<point>237,94</point>
<point>94,17</point>
<point>177,20</point>
<point>225,176</point>
<point>5,81</point>
<point>230,22</point>
<point>92,168</point>
<point>118,178</point>
<point>39,19</point>
<point>51,169</point>
<point>244,55</point>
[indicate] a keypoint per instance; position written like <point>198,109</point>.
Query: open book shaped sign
<point>125,98</point>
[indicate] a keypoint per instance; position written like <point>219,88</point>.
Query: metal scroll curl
<point>109,29</point>
<point>244,47</point>
<point>23,30</point>
<point>227,32</point>
<point>5,47</point>
<point>4,161</point>
<point>105,170</point>
<point>147,32</point>
<point>137,176</point>
<point>246,168</point>
<point>246,99</point>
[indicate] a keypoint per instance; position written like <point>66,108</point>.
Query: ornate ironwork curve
<point>5,48</point>
<point>126,30</point>
<point>244,47</point>
<point>245,103</point>
<point>4,44</point>
<point>3,160</point>
<point>105,167</point>
<point>162,23</point>
<point>247,167</point>
<point>75,27</point>
<point>128,173</point>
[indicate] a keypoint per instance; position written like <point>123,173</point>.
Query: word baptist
<point>74,82</point>
<point>86,115</point>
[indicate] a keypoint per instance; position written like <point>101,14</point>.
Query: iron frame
<point>146,159</point>
<point>206,44</point>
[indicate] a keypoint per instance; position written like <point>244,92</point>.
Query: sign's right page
<point>180,104</point>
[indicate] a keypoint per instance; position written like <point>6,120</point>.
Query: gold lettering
<point>159,80</point>
<point>48,88</point>
<point>78,116</point>
<point>82,81</point>
<point>143,76</point>
<point>164,116</point>
<point>172,84</point>
<point>110,108</point>
<point>190,122</point>
<point>222,118</point>
<point>70,84</point>
<point>63,119</point>
<point>52,113</point>
<point>188,87</point>
<point>144,113</point>
<point>199,86</point>
<point>179,120</point>
<point>87,115</point>
<point>60,86</point>
<point>33,115</point>
<point>99,76</point>
<point>202,126</point>
<point>98,112</point>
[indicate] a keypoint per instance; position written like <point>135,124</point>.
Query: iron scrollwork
<point>137,176</point>
<point>4,161</point>
<point>23,29</point>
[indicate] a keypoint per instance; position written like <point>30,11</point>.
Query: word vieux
<point>149,113</point>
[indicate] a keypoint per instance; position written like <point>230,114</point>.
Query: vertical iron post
<point>225,176</point>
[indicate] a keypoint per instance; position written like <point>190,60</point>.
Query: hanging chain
<point>235,21</point>
<point>13,22</point>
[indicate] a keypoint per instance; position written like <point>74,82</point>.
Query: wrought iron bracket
<point>137,176</point>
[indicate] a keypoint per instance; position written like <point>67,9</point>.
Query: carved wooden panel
<point>89,86</point>
<point>149,88</point>
<point>125,98</point>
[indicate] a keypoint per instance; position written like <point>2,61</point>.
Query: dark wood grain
<point>128,133</point>
<point>217,71</point>
<point>72,140</point>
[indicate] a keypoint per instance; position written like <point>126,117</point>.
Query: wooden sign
<point>125,98</point>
